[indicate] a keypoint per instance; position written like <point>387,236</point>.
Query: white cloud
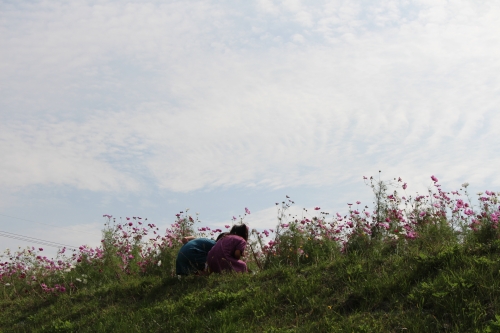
<point>187,96</point>
<point>298,38</point>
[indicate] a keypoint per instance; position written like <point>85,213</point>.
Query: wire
<point>34,240</point>
<point>50,225</point>
<point>43,240</point>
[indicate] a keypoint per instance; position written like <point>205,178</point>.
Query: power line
<point>50,225</point>
<point>30,241</point>
<point>35,240</point>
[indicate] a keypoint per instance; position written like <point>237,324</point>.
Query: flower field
<point>408,262</point>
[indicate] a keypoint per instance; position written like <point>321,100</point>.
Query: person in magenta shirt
<point>226,254</point>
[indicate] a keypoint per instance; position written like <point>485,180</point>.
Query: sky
<point>147,108</point>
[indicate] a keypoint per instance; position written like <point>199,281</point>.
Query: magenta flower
<point>227,226</point>
<point>317,208</point>
<point>468,212</point>
<point>247,210</point>
<point>358,202</point>
<point>40,249</point>
<point>411,235</point>
<point>405,186</point>
<point>434,179</point>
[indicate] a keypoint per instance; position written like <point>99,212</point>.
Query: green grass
<point>441,275</point>
<point>451,288</point>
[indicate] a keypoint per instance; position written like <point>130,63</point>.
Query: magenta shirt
<point>221,256</point>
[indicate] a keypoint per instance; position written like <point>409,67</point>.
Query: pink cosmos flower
<point>358,202</point>
<point>468,212</point>
<point>411,235</point>
<point>317,208</point>
<point>227,226</point>
<point>405,186</point>
<point>247,210</point>
<point>434,179</point>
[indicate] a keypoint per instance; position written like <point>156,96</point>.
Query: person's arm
<point>238,254</point>
<point>187,239</point>
<point>240,248</point>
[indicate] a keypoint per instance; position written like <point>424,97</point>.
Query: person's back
<point>222,256</point>
<point>193,256</point>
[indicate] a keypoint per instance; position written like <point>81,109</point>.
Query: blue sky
<point>146,108</point>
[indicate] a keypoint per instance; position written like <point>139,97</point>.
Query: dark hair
<point>221,235</point>
<point>240,230</point>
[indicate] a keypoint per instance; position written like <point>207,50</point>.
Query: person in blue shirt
<point>192,256</point>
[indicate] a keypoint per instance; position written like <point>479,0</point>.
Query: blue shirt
<point>193,255</point>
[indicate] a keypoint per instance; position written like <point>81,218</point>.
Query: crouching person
<point>226,254</point>
<point>192,256</point>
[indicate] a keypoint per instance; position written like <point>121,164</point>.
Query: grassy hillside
<point>456,289</point>
<point>422,264</point>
